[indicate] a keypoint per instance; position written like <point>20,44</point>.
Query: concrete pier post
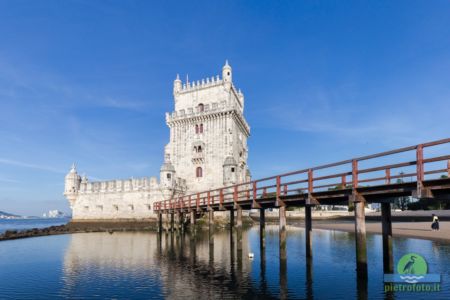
<point>239,229</point>
<point>166,222</point>
<point>360,239</point>
<point>388,260</point>
<point>182,223</point>
<point>160,222</point>
<point>177,222</point>
<point>308,231</point>
<point>262,228</point>
<point>231,219</point>
<point>211,226</point>
<point>192,221</point>
<point>282,216</point>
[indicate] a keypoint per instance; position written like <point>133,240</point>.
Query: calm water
<point>141,266</point>
<point>23,224</point>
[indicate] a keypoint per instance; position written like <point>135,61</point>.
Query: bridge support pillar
<point>239,229</point>
<point>166,222</point>
<point>160,222</point>
<point>192,222</point>
<point>182,219</point>
<point>172,221</point>
<point>308,231</point>
<point>388,260</point>
<point>231,219</point>
<point>282,216</point>
<point>262,228</point>
<point>178,220</point>
<point>360,238</point>
<point>211,226</point>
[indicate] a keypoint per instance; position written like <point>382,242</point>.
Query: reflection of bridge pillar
<point>309,278</point>
<point>172,221</point>
<point>282,215</point>
<point>283,279</point>
<point>239,229</point>
<point>308,231</point>
<point>262,228</point>
<point>388,260</point>
<point>360,237</point>
<point>211,226</point>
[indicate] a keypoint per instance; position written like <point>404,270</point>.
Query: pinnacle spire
<point>73,168</point>
<point>178,77</point>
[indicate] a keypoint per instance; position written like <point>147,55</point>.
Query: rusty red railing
<point>347,174</point>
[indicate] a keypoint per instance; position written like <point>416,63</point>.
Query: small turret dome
<point>229,161</point>
<point>167,167</point>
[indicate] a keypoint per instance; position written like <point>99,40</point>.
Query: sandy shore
<point>421,230</point>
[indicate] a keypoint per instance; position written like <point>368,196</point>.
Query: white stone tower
<point>72,185</point>
<point>208,133</point>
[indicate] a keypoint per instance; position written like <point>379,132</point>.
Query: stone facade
<point>207,149</point>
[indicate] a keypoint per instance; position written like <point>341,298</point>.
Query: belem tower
<point>207,149</point>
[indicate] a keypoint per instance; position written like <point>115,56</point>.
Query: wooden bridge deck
<point>421,171</point>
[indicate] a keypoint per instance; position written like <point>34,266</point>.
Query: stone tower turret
<point>229,171</point>
<point>177,85</point>
<point>72,185</point>
<point>167,174</point>
<point>227,75</point>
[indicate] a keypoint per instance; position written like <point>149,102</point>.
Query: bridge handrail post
<point>344,181</point>
<point>209,199</point>
<point>419,163</point>
<point>221,197</point>
<point>310,181</point>
<point>278,187</point>
<point>198,200</point>
<point>235,194</point>
<point>448,168</point>
<point>388,176</point>
<point>354,173</point>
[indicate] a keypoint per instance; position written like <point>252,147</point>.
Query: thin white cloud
<point>16,163</point>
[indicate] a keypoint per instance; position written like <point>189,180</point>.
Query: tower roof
<point>229,161</point>
<point>167,167</point>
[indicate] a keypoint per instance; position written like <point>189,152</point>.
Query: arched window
<point>199,172</point>
<point>195,149</point>
<point>199,149</point>
<point>201,107</point>
<point>196,128</point>
<point>201,128</point>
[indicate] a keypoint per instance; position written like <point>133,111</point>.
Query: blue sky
<point>90,81</point>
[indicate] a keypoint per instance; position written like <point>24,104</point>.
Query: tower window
<point>168,176</point>
<point>232,170</point>
<point>228,73</point>
<point>116,207</point>
<point>201,128</point>
<point>201,107</point>
<point>199,172</point>
<point>196,128</point>
<point>199,149</point>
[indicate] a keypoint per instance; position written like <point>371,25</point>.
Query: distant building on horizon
<point>207,149</point>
